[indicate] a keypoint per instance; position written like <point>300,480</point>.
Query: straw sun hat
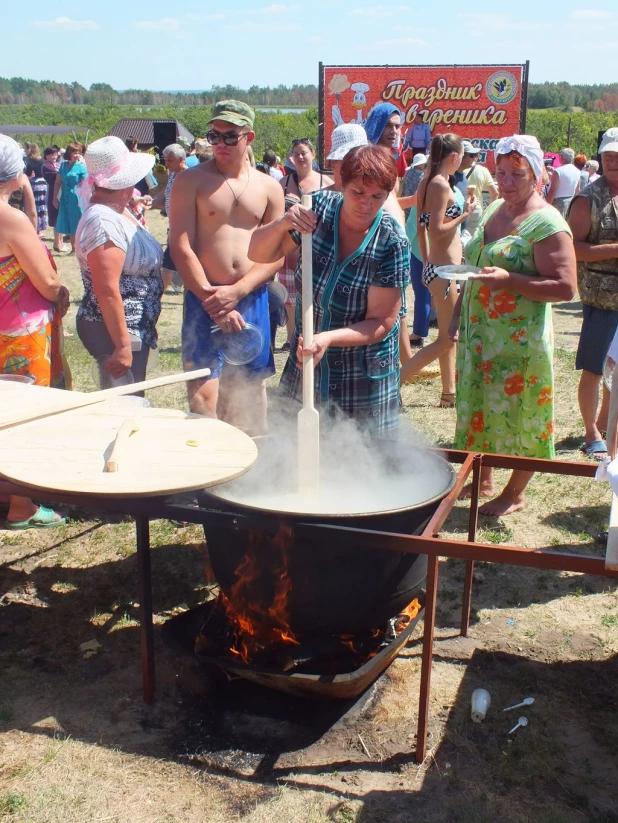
<point>111,165</point>
<point>346,137</point>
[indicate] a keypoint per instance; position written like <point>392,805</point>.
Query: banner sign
<point>480,103</point>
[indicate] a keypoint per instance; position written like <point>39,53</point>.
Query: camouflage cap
<point>233,111</point>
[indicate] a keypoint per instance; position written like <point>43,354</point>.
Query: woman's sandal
<point>447,400</point>
<point>43,518</point>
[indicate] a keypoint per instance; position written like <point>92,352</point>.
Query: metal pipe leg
<point>466,603</point>
<point>144,594</point>
<point>427,658</point>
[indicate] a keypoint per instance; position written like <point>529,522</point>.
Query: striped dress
<point>360,381</point>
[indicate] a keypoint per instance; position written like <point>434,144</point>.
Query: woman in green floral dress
<point>505,391</point>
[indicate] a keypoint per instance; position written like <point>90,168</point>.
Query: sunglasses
<point>230,138</point>
<point>304,140</point>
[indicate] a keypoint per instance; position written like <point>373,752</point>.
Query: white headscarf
<point>526,145</point>
<point>11,159</point>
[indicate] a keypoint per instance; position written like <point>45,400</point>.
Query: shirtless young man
<point>214,209</point>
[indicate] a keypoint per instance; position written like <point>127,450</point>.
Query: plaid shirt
<point>362,381</point>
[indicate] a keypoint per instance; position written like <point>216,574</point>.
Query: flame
<point>255,626</point>
<point>405,617</point>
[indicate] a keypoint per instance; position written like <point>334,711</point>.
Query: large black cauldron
<point>334,589</point>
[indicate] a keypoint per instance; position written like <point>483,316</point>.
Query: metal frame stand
<point>429,543</point>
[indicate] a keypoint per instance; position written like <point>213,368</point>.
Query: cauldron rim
<point>237,505</point>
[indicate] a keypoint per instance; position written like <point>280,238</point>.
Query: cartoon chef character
<point>360,101</point>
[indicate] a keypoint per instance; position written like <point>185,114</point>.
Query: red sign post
<point>480,103</point>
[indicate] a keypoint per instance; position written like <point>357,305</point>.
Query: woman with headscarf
<point>505,386</point>
<point>32,301</point>
<point>383,128</point>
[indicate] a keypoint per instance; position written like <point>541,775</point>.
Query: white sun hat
<point>346,137</point>
<point>111,165</point>
<point>419,160</point>
<point>609,141</point>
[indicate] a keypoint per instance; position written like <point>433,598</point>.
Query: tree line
<point>19,90</point>
<point>275,130</point>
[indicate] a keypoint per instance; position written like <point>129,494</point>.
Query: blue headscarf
<point>377,120</point>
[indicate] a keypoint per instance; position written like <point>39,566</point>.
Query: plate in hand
<point>456,272</point>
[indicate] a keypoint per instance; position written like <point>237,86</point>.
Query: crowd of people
<point>539,229</point>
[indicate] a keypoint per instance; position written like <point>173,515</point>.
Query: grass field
<point>77,745</point>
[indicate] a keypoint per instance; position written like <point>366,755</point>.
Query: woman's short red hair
<point>518,160</point>
<point>373,165</point>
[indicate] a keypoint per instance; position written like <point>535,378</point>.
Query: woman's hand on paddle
<point>493,277</point>
<point>317,349</point>
<point>120,362</point>
<point>63,300</point>
<point>298,218</point>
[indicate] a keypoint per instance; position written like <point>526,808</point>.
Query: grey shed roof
<point>143,129</point>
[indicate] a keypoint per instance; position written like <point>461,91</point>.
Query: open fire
<point>251,623</point>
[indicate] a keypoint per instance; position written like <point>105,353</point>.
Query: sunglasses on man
<point>230,138</point>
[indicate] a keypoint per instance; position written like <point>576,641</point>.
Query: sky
<point>163,45</point>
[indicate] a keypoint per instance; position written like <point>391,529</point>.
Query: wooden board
<point>67,452</point>
<point>19,402</point>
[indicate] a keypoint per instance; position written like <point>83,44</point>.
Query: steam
<point>358,474</point>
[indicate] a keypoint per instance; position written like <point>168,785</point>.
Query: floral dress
<point>505,380</point>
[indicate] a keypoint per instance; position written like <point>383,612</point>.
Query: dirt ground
<point>77,744</point>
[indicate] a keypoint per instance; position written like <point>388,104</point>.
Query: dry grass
<point>78,746</point>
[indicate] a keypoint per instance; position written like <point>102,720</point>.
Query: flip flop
<point>43,518</point>
<point>594,449</point>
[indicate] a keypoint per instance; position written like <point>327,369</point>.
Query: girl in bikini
<point>441,211</point>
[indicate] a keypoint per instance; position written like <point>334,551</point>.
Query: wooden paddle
<point>122,438</point>
<point>611,554</point>
<point>36,401</point>
<point>308,416</point>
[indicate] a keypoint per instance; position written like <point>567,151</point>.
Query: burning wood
<point>257,627</point>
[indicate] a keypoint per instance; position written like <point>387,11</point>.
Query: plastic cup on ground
<point>481,701</point>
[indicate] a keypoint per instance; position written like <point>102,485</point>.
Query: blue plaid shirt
<point>362,381</point>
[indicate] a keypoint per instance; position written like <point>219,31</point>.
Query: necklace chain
<point>236,199</point>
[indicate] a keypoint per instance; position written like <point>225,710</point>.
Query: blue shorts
<point>202,350</point>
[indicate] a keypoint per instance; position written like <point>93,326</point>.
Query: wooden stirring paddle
<point>122,438</point>
<point>308,416</point>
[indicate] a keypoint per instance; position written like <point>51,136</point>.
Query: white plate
<point>456,272</point>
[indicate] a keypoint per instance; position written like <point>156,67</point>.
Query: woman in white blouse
<point>120,264</point>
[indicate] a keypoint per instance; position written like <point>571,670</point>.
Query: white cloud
<point>590,15</point>
<point>316,39</point>
<point>379,11</point>
<point>265,27</point>
<point>65,23</point>
<point>165,24</point>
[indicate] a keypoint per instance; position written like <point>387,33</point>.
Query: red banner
<point>480,103</point>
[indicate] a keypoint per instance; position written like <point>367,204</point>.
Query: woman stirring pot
<point>360,269</point>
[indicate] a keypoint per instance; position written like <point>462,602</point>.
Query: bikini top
<point>454,210</point>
